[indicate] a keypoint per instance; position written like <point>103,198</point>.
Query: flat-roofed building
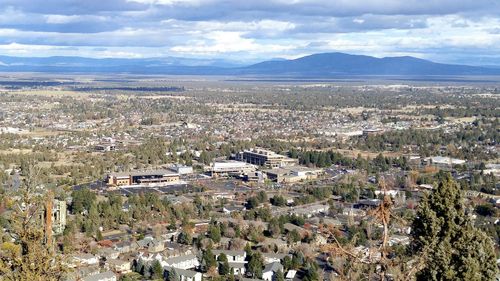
<point>231,168</point>
<point>292,174</point>
<point>143,177</point>
<point>266,158</point>
<point>183,170</point>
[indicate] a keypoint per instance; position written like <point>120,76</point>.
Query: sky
<point>449,31</point>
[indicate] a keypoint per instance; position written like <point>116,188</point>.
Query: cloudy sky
<point>452,31</point>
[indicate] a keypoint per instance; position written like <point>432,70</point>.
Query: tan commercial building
<point>142,177</point>
<point>266,158</point>
<point>292,174</point>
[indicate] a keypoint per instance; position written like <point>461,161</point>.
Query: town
<point>189,180</point>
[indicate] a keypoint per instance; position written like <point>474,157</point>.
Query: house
<point>289,227</point>
<point>332,222</point>
<point>105,276</point>
<point>231,255</point>
<point>367,203</point>
<point>351,212</point>
<point>80,272</point>
<point>236,260</point>
<point>178,200</point>
<point>84,259</point>
<point>148,257</point>
<point>310,211</point>
<point>223,195</point>
<point>243,224</point>
<point>270,270</point>
<point>272,243</point>
<point>182,262</point>
<point>184,275</point>
<point>119,266</point>
<point>273,257</point>
<point>399,239</point>
<point>170,236</point>
<point>125,246</point>
<point>153,245</point>
<point>175,249</point>
<point>238,267</point>
<point>156,246</point>
<point>230,209</point>
<point>108,253</point>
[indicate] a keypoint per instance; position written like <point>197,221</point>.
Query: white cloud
<point>168,2</point>
<point>220,42</point>
<point>62,19</point>
<point>257,29</point>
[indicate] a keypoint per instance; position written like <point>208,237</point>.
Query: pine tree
<point>224,267</point>
<point>256,264</point>
<point>279,276</point>
<point>172,275</point>
<point>208,259</point>
<point>214,233</point>
<point>450,246</point>
<point>157,270</point>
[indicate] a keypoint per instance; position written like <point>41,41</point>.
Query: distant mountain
<point>336,64</point>
<point>82,64</point>
<point>319,65</point>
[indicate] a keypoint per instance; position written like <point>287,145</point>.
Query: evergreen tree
<point>451,247</point>
<point>311,272</point>
<point>224,268</point>
<point>279,276</point>
<point>214,233</point>
<point>256,264</point>
<point>172,275</point>
<point>231,275</point>
<point>208,259</point>
<point>287,262</point>
<point>157,270</point>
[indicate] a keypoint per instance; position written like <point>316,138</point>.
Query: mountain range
<point>324,65</point>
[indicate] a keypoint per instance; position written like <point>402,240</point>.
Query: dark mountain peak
<point>332,64</point>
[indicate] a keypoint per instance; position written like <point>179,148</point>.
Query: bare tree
<point>352,264</point>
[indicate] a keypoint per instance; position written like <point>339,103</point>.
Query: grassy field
<point>40,132</point>
<point>52,93</point>
<point>367,154</point>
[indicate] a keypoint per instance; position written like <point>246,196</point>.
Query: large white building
<point>231,168</point>
<point>163,176</point>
